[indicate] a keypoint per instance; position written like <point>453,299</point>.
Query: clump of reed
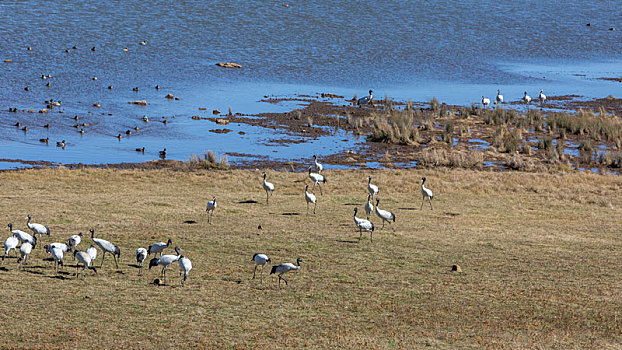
<point>208,160</point>
<point>397,127</point>
<point>598,127</point>
<point>520,163</point>
<point>506,140</point>
<point>500,116</point>
<point>452,159</point>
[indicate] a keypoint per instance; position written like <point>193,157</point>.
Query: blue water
<point>455,51</point>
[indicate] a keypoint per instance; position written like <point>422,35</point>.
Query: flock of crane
<point>86,258</point>
<point>499,98</point>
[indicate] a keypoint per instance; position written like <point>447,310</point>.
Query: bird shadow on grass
<point>289,214</point>
<point>134,265</point>
<point>250,201</point>
<point>59,277</point>
<point>190,222</point>
<point>232,279</point>
<point>408,208</point>
<point>48,259</point>
<point>347,241</point>
<point>3,269</point>
<point>27,270</point>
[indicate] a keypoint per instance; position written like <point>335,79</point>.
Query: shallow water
<point>455,51</point>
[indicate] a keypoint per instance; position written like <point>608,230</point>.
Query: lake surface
<point>455,51</point>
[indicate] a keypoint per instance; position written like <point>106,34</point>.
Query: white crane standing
<point>526,98</point>
<point>57,255</point>
<point>158,247</point>
<point>373,189</point>
<point>165,261</point>
<point>23,236</point>
<point>211,206</point>
<point>499,96</point>
<point>141,255</point>
<point>74,240</point>
<point>25,251</point>
<point>268,187</point>
<point>426,193</point>
<point>385,215</point>
<point>260,259</point>
<point>10,244</point>
<point>317,178</point>
<point>318,166</point>
<point>106,247</point>
<point>542,97</point>
<point>185,265</point>
<point>86,261</point>
<point>285,268</point>
<point>38,228</point>
<point>363,224</point>
<point>310,198</point>
<point>369,206</point>
<point>485,101</point>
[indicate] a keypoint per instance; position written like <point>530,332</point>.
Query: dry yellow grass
<point>540,258</point>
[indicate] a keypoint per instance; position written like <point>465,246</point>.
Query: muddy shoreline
<point>325,114</point>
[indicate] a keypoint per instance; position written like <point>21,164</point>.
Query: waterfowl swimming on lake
<point>61,144</point>
<point>142,150</point>
<point>45,140</point>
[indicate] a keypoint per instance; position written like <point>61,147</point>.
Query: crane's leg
<point>314,183</point>
<point>255,269</point>
<point>314,205</point>
<point>102,264</point>
<point>283,278</point>
<point>422,202</point>
<point>279,281</point>
<point>360,233</point>
<point>430,199</point>
<point>371,236</point>
<point>382,228</point>
<point>307,208</point>
<point>115,261</point>
<point>320,186</point>
<point>392,228</point>
<point>267,196</point>
<point>262,266</point>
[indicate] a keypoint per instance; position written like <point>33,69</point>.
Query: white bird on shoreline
<point>485,101</point>
<point>526,98</point>
<point>310,198</point>
<point>426,193</point>
<point>542,97</point>
<point>211,206</point>
<point>285,268</point>
<point>366,100</point>
<point>363,224</point>
<point>499,96</point>
<point>385,215</point>
<point>268,187</point>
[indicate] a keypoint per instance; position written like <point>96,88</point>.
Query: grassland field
<point>540,257</point>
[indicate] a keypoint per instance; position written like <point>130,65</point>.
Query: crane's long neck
<point>28,223</point>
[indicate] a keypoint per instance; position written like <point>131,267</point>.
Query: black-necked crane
<point>86,261</point>
<point>210,207</point>
<point>10,244</point>
<point>426,193</point>
<point>92,252</point>
<point>542,97</point>
<point>23,236</point>
<point>526,98</point>
<point>260,259</point>
<point>268,187</point>
<point>363,224</point>
<point>38,228</point>
<point>158,247</point>
<point>65,247</point>
<point>366,99</point>
<point>385,215</point>
<point>57,255</point>
<point>310,198</point>
<point>106,247</point>
<point>25,251</point>
<point>499,96</point>
<point>369,206</point>
<point>285,268</point>
<point>185,265</point>
<point>485,101</point>
<point>141,255</point>
<point>317,178</point>
<point>373,189</point>
<point>165,261</point>
<point>74,240</point>
<point>318,167</point>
